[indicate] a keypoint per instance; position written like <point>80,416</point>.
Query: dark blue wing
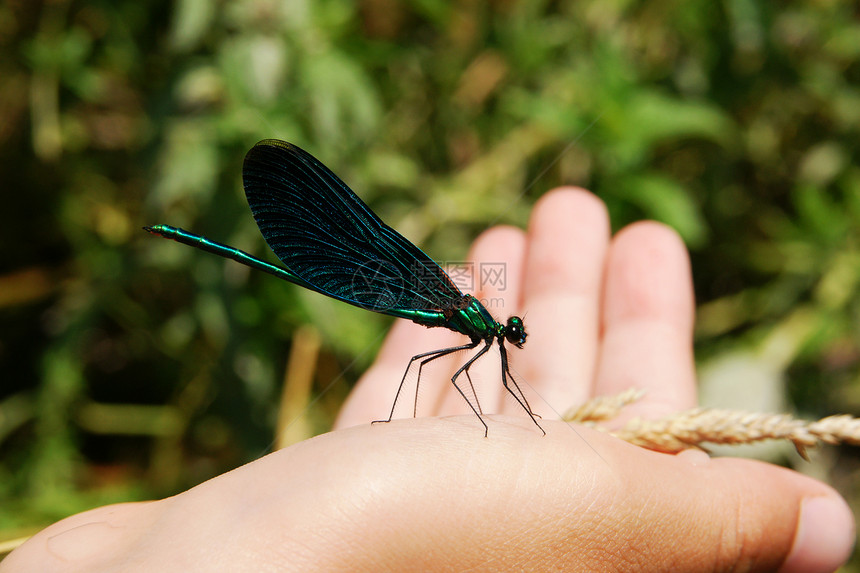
<point>330,239</point>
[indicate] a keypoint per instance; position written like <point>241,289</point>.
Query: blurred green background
<point>132,367</point>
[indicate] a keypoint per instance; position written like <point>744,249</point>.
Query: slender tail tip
<point>155,230</point>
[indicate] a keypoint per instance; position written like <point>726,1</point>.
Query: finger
<point>647,339</point>
<point>497,261</point>
<point>78,543</point>
<point>567,242</point>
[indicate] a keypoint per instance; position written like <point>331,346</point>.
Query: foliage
<point>132,367</point>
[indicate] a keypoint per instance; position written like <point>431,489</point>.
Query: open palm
<point>431,493</point>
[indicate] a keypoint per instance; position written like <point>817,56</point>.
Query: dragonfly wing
<point>328,237</point>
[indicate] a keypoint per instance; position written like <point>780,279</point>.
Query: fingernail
<point>824,537</point>
<point>83,542</point>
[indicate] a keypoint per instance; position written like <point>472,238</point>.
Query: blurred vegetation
<point>133,367</point>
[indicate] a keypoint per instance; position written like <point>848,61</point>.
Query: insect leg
<point>465,368</point>
<point>506,374</point>
<point>425,357</point>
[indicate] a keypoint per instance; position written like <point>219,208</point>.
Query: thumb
<point>692,513</point>
<point>582,500</point>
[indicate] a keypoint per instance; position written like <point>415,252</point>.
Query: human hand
<point>432,493</point>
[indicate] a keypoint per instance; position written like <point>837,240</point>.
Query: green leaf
<point>667,201</point>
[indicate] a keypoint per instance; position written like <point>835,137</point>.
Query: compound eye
<point>515,331</point>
